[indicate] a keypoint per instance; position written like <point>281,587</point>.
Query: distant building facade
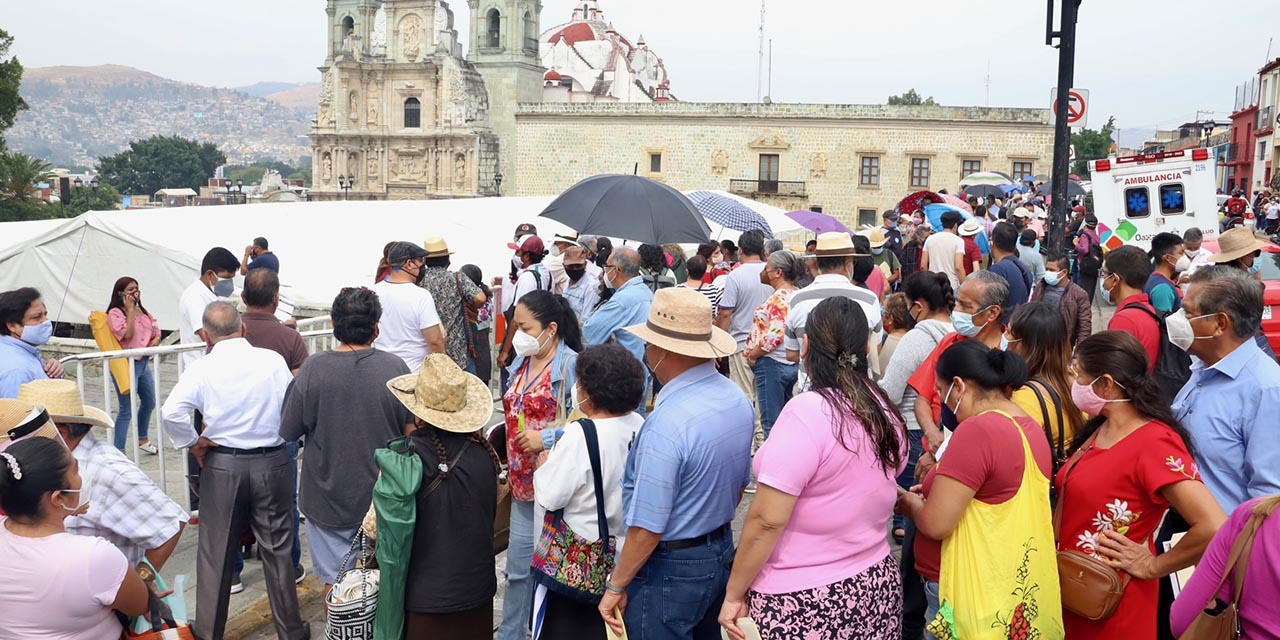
<point>587,60</point>
<point>852,160</point>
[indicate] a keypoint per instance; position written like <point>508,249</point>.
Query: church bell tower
<point>504,49</point>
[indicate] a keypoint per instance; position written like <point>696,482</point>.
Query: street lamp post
<point>238,189</point>
<point>345,182</point>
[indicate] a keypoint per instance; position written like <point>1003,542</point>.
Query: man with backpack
<point>1124,275</point>
<point>1089,250</point>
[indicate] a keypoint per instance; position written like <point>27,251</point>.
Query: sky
<point>1149,63</point>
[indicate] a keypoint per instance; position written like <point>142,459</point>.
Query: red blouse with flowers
<point>770,321</point>
<point>1118,489</point>
<point>529,404</point>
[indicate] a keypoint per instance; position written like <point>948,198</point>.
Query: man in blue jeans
<point>683,481</point>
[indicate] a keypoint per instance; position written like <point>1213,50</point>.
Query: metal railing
<point>162,357</point>
<point>1266,118</point>
<point>768,187</point>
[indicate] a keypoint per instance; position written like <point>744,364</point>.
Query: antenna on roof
<point>760,54</point>
<point>988,82</point>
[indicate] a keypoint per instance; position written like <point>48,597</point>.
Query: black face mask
<point>575,273</point>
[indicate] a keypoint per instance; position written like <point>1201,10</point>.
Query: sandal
<point>149,447</point>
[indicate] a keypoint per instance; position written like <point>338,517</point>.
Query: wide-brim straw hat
<point>1237,243</point>
<point>20,414</point>
<point>877,238</point>
<point>62,399</point>
<point>436,247</point>
<point>834,244</point>
<point>971,227</point>
<point>444,395</point>
<point>680,322</point>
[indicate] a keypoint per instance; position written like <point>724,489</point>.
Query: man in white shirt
<point>410,326</point>
<point>743,293</point>
<point>246,477</point>
<point>835,254</point>
<point>583,292</point>
<point>215,281</point>
<point>533,276</point>
<point>944,252</point>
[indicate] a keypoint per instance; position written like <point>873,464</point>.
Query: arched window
<point>530,32</point>
<point>493,21</point>
<point>412,113</point>
<point>348,25</point>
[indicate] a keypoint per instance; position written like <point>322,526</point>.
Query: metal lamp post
<point>238,188</point>
<point>345,183</point>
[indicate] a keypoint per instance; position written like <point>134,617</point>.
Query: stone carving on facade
<point>324,115</point>
<point>770,141</point>
<point>818,165</point>
<point>720,162</point>
<point>459,170</point>
<point>371,171</point>
<point>411,30</point>
<point>326,167</point>
<point>353,106</point>
<point>373,98</point>
<point>353,164</point>
<point>378,39</point>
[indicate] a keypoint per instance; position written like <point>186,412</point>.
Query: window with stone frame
<point>655,163</point>
<point>969,167</point>
<point>869,174</point>
<point>1023,170</point>
<point>493,20</point>
<point>412,113</point>
<point>770,170</point>
<point>920,173</point>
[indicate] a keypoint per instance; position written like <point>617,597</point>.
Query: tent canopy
<point>322,246</point>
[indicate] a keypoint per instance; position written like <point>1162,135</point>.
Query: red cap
<point>532,244</point>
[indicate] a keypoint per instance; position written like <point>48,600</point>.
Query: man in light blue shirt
<point>629,304</point>
<point>24,326</point>
<point>684,479</point>
<point>1230,403</point>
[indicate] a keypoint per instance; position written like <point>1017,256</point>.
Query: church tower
<point>504,49</point>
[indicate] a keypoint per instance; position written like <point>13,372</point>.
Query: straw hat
<point>1237,243</point>
<point>436,247</point>
<point>62,399</point>
<point>680,322</point>
<point>834,244</point>
<point>877,237</point>
<point>971,227</point>
<point>444,395</point>
<point>570,237</point>
<point>17,417</point>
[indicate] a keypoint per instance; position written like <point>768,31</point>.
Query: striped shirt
<point>712,292</point>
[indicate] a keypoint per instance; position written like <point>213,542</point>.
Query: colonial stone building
<point>851,160</point>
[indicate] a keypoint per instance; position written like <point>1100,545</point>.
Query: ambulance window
<point>1137,202</point>
<point>1172,199</point>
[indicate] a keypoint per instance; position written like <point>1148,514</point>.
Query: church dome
<point>591,50</point>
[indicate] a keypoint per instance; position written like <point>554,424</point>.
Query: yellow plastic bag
<point>999,577</point>
<point>107,342</point>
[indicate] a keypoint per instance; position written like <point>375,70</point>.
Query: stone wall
<point>819,147</point>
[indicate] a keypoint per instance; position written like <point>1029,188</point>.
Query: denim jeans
<point>907,478</point>
<point>292,448</point>
<point>931,592</point>
<point>145,386</point>
<point>677,594</point>
<point>774,381</point>
<point>517,600</point>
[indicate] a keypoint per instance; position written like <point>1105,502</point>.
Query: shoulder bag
<point>352,604</point>
<point>1090,588</point>
<point>567,563</point>
<point>1221,620</point>
<point>1059,447</point>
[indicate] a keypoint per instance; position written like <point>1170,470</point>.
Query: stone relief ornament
<point>411,28</point>
<point>326,164</point>
<point>818,165</point>
<point>325,116</point>
<point>353,106</point>
<point>372,169</point>
<point>459,169</point>
<point>373,97</point>
<point>720,162</point>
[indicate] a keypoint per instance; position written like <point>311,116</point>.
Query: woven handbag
<point>567,563</point>
<point>352,604</point>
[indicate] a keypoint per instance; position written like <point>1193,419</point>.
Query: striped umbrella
<point>957,202</point>
<point>984,177</point>
<point>729,213</point>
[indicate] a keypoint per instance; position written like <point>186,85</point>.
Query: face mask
<point>37,334</point>
<point>575,273</point>
<point>1052,278</point>
<point>653,369</point>
<point>1106,293</point>
<point>576,398</point>
<point>83,505</point>
<point>517,262</point>
<point>963,323</point>
<point>1088,400</point>
<point>608,280</point>
<point>1183,264</point>
<point>555,250</point>
<point>949,418</point>
<point>1181,333</point>
<point>1257,266</point>
<point>893,224</point>
<point>877,251</point>
<point>525,344</point>
<point>224,288</point>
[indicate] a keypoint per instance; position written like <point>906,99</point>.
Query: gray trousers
<point>238,489</point>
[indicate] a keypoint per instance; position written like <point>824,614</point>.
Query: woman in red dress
<point>1133,461</point>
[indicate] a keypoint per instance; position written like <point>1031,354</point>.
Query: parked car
<point>1270,260</point>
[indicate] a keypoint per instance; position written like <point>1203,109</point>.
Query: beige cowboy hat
<point>20,419</point>
<point>436,247</point>
<point>445,396</point>
<point>833,244</point>
<point>62,399</point>
<point>877,238</point>
<point>680,322</point>
<point>971,227</point>
<point>1237,243</point>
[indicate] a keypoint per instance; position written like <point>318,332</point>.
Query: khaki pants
<point>743,376</point>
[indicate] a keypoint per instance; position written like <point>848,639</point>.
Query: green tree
<point>15,210</point>
<point>86,198</point>
<point>1092,145</point>
<point>19,174</point>
<point>10,79</point>
<point>161,162</point>
<point>911,98</point>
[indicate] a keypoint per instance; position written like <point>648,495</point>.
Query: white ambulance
<point>1136,197</point>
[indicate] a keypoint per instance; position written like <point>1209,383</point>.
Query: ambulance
<point>1136,197</point>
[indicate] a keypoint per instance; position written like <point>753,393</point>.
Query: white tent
<point>322,246</point>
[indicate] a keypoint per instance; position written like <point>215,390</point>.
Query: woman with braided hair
<point>814,561</point>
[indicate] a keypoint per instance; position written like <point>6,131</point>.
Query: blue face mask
<point>1106,293</point>
<point>37,334</point>
<point>1051,278</point>
<point>963,323</point>
<point>1257,266</point>
<point>893,224</point>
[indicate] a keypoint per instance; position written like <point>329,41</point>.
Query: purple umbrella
<point>817,222</point>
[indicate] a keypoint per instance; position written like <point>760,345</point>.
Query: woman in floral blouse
<point>775,376</point>
<point>1133,461</point>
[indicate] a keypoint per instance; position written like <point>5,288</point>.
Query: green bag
<point>395,502</point>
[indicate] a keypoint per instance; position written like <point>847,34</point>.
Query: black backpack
<point>1173,365</point>
<point>1091,261</point>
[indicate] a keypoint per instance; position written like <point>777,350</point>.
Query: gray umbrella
<point>631,208</point>
<point>1074,189</point>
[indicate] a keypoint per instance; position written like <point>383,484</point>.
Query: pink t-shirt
<point>145,328</point>
<point>59,587</point>
<point>844,499</point>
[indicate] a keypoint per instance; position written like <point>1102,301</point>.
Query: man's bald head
<point>221,321</point>
<point>626,260</point>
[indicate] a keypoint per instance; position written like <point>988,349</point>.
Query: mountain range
<point>78,114</point>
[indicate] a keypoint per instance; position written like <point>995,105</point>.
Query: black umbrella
<point>631,208</point>
<point>1074,189</point>
<point>984,190</point>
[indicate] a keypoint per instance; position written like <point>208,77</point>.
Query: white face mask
<point>576,398</point>
<point>526,344</point>
<point>82,506</point>
<point>1181,333</point>
<point>1183,264</point>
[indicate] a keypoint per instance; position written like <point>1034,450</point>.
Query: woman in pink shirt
<point>135,328</point>
<point>56,585</point>
<point>814,559</point>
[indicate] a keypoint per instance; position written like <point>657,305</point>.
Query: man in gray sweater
<point>340,404</point>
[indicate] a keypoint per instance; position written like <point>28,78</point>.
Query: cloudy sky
<point>1149,63</point>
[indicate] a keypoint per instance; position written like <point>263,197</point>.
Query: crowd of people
<point>942,391</point>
